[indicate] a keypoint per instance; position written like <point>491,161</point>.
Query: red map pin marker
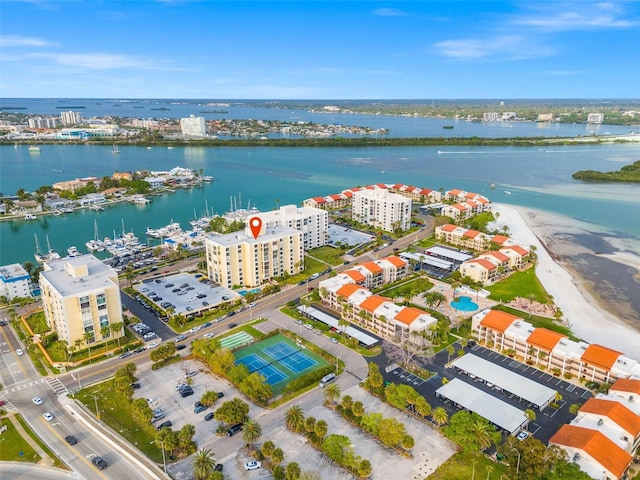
<point>256,225</point>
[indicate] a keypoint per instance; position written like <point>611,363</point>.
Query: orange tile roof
<point>499,239</point>
<point>470,195</point>
<point>460,206</point>
<point>449,227</point>
<point>629,385</point>
<point>617,412</point>
<point>482,200</point>
<point>372,267</point>
<point>498,255</point>
<point>373,302</point>
<point>348,289</point>
<point>518,249</point>
<point>348,193</point>
<point>408,315</point>
<point>398,186</point>
<point>454,192</point>
<point>355,275</point>
<point>484,263</point>
<point>411,188</point>
<point>498,320</point>
<point>600,356</point>
<point>396,261</point>
<point>370,187</point>
<point>335,197</point>
<point>319,199</point>
<point>596,445</point>
<point>425,191</point>
<point>544,339</point>
<point>471,233</point>
<point>381,185</point>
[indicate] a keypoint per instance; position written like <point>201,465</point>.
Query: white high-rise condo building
<point>240,259</point>
<point>193,126</point>
<point>70,118</point>
<point>312,222</point>
<point>14,282</point>
<point>81,300</point>
<point>381,209</point>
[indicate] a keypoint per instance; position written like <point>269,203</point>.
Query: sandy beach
<point>589,319</point>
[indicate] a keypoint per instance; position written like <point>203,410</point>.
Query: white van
<point>327,379</point>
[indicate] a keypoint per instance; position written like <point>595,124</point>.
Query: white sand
<point>588,321</point>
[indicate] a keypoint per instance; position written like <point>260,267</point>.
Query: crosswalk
<point>7,405</point>
<point>57,386</point>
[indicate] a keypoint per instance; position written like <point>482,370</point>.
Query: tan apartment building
<point>81,296</point>
<point>556,353</point>
<point>240,259</point>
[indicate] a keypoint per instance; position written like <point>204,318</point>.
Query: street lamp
<point>518,462</point>
<point>164,460</point>
<point>95,398</point>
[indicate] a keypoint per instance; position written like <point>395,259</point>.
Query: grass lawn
<point>463,467</point>
<point>115,411</point>
<point>520,284</point>
<point>14,448</point>
<point>333,256</point>
<point>38,323</point>
<point>419,284</point>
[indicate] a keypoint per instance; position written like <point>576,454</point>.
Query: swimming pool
<point>244,292</point>
<point>465,304</point>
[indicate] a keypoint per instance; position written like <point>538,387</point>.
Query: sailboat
<point>95,245</point>
<point>115,149</point>
<point>45,257</point>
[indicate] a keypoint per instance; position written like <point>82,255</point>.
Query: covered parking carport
<point>502,379</point>
<point>499,413</point>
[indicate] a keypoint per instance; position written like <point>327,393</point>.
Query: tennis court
<point>254,363</point>
<point>279,360</point>
<point>292,358</point>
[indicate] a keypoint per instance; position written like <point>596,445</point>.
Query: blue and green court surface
<point>279,360</point>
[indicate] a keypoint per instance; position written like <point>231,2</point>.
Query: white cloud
<point>499,48</point>
<point>389,12</point>
<point>99,61</point>
<point>19,41</point>
<point>577,16</point>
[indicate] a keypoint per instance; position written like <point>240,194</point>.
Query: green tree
<point>357,409</point>
<point>251,432</point>
<point>209,398</point>
<point>365,469</point>
<point>185,436</point>
<point>391,431</point>
<point>332,392</point>
<point>277,456</point>
<point>294,418</point>
<point>335,447</point>
<point>203,464</point>
<point>347,402</point>
<point>232,411</point>
<point>374,380</point>
<point>141,410</point>
<point>439,416</point>
<point>292,471</point>
<point>168,439</point>
<point>321,429</point>
<point>310,424</point>
<point>267,448</point>
<point>472,432</point>
<point>116,329</point>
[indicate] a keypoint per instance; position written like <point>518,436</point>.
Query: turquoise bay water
<point>264,177</point>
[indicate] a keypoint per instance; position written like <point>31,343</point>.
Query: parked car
<point>186,392</point>
<point>190,373</point>
<point>522,435</point>
<point>99,462</point>
<point>333,340</point>
<point>208,416</point>
<point>135,385</point>
<point>218,467</point>
<point>234,429</point>
<point>166,424</point>
<point>200,408</point>
<point>252,465</point>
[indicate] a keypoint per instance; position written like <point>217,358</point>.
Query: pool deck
<point>445,308</point>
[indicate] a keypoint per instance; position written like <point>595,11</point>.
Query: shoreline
<point>587,317</point>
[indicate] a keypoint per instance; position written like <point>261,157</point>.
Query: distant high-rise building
<point>595,118</point>
<point>14,282</point>
<point>70,118</point>
<point>545,117</point>
<point>193,126</point>
<point>490,117</point>
<point>39,122</point>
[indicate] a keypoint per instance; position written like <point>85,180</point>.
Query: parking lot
<point>185,293</point>
<point>546,423</point>
<point>159,388</point>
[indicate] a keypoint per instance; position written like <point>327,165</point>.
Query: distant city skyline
<point>319,50</point>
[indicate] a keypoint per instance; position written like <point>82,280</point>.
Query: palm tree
<point>332,392</point>
<point>116,329</point>
<point>208,398</point>
<point>530,414</point>
<point>251,431</point>
<point>88,337</point>
<point>104,332</point>
<point>440,416</point>
<point>481,434</point>
<point>203,464</point>
<point>321,429</point>
<point>294,418</point>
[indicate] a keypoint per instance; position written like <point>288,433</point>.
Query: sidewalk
<point>46,459</point>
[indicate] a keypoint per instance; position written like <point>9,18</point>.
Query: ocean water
<point>266,177</point>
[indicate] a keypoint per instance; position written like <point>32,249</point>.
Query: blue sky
<point>319,50</point>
